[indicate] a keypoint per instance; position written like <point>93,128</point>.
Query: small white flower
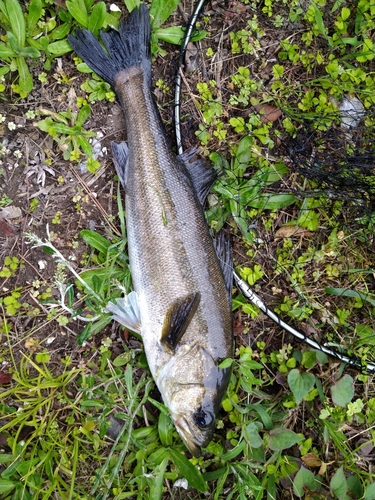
<point>12,126</point>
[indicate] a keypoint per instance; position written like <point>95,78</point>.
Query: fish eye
<point>203,419</point>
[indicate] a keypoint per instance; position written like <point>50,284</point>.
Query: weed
<point>67,130</point>
<point>10,267</point>
<point>16,47</point>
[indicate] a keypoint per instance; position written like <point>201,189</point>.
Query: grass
<point>293,422</point>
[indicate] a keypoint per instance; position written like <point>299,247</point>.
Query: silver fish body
<point>181,291</point>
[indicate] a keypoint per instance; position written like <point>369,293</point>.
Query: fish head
<point>196,424</point>
<point>192,386</point>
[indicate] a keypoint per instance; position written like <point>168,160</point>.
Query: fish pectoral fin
<point>126,311</point>
<point>120,153</point>
<point>178,318</point>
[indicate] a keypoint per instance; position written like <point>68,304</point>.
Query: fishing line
<point>177,92</point>
<point>240,283</point>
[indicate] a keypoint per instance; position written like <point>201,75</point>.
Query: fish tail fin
<point>128,47</point>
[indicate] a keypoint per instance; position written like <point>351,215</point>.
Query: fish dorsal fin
<point>222,246</point>
<point>178,318</point>
<point>201,176</point>
<point>120,153</point>
<point>126,311</point>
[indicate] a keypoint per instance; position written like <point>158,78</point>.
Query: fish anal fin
<point>178,318</point>
<point>120,153</point>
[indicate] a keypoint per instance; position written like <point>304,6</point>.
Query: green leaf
<point>300,383</point>
<point>93,328</point>
<point>304,478</point>
<point>83,68</point>
<point>29,52</point>
<point>345,13</point>
<point>59,48</point>
<point>226,363</point>
<point>95,240</point>
<point>159,406</point>
<point>308,359</point>
<point>367,52</point>
<point>122,359</point>
<point>6,51</point>
<point>6,486</point>
<point>6,458</point>
<point>243,155</point>
<point>252,434</point>
<point>25,81</point>
<point>343,391</point>
<point>83,114</point>
<point>132,4</point>
<point>78,11</point>
<point>16,20</point>
<point>156,486</point>
<point>234,452</point>
<point>97,283</point>
<point>60,128</point>
<point>172,34</point>
<point>370,492</point>
<point>165,428</point>
<point>48,250</point>
<point>272,202</point>
<point>60,32</point>
<point>35,12</point>
<point>355,486</point>
<point>338,484</point>
<point>4,11</point>
<point>42,357</point>
<point>84,144</point>
<point>188,471</point>
<point>158,455</point>
<point>161,10</point>
<point>343,292</point>
<point>13,42</point>
<point>97,18</point>
<point>105,274</point>
<point>319,20</point>
<point>281,439</point>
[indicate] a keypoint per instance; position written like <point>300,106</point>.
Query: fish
<point>181,275</point>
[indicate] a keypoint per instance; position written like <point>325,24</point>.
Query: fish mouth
<point>192,442</point>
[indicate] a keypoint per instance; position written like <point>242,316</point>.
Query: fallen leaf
<point>323,467</point>
<point>31,344</point>
<point>11,212</point>
<point>311,460</point>
<point>7,229</point>
<point>292,231</point>
<point>5,378</point>
<point>25,433</point>
<point>268,113</point>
